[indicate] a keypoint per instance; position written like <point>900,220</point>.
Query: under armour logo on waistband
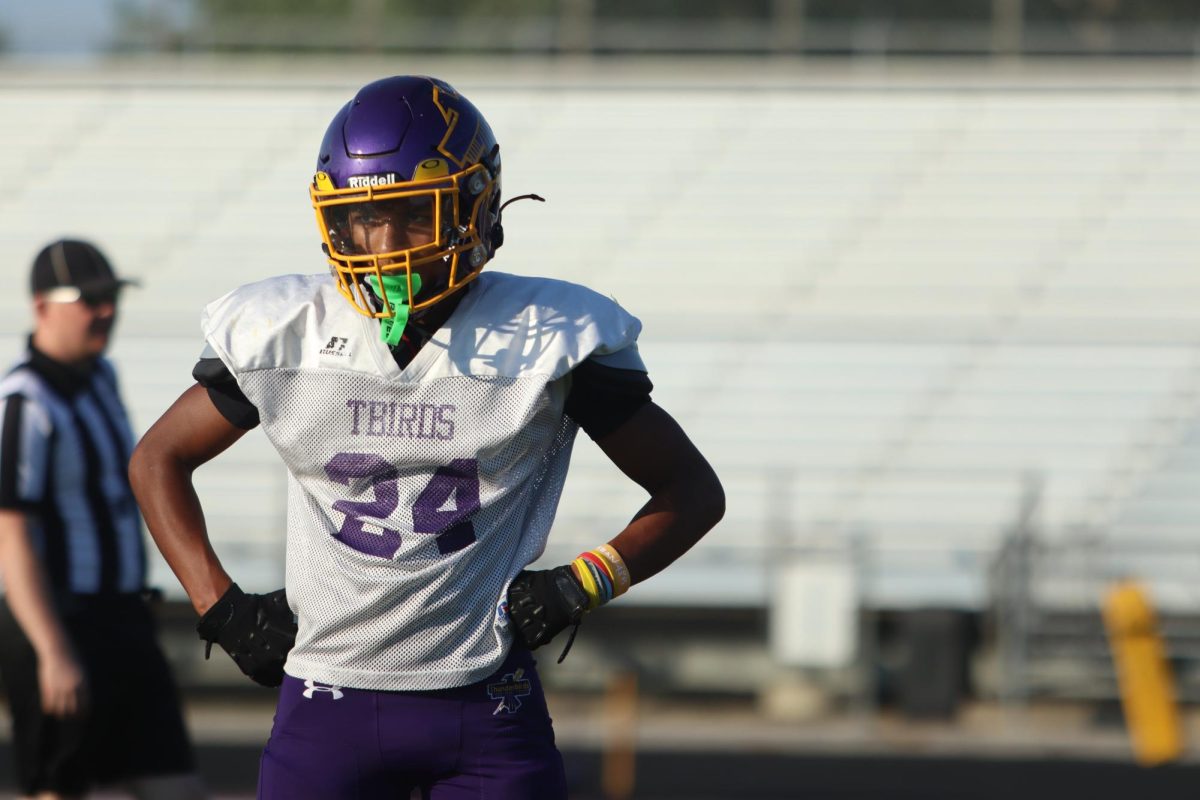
<point>335,691</point>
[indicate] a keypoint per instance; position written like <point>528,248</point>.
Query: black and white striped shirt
<point>65,443</point>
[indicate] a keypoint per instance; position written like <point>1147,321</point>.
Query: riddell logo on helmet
<point>362,181</point>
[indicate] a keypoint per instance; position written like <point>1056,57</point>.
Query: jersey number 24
<point>452,526</point>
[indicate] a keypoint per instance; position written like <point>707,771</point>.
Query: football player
<point>425,412</point>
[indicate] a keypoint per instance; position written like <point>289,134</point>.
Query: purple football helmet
<point>407,194</point>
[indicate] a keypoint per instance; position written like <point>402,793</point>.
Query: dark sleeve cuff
<point>226,395</point>
<point>603,398</point>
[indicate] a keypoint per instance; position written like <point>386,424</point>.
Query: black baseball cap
<point>74,263</point>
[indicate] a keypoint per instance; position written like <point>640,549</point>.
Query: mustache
<point>101,326</point>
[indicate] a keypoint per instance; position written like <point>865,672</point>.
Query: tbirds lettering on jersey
<point>401,420</point>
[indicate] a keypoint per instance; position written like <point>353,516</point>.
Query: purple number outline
<point>453,527</point>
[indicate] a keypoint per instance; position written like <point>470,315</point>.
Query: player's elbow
<point>702,495</point>
<point>144,464</point>
<point>710,498</point>
<point>150,462</point>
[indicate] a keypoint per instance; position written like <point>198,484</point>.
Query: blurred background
<point>919,277</point>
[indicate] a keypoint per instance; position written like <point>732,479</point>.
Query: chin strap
<point>391,329</point>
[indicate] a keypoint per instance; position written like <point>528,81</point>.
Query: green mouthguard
<point>396,288</point>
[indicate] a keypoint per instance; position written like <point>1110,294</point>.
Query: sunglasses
<point>91,298</point>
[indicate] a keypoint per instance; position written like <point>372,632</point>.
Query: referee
<point>91,697</point>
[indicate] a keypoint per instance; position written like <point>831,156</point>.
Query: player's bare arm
<point>190,433</point>
<point>686,501</point>
<point>256,630</point>
<point>686,498</point>
<point>61,680</point>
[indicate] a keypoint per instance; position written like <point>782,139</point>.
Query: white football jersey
<point>415,495</point>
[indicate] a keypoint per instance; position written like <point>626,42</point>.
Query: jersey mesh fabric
<point>415,495</point>
<point>411,507</point>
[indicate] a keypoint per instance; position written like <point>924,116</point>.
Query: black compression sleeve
<point>226,395</point>
<point>603,398</point>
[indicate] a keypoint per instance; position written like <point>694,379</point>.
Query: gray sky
<point>56,26</point>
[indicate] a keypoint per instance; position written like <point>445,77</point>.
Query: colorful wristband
<point>602,574</point>
<point>616,565</point>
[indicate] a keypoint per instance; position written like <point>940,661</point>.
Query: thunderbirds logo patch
<point>509,690</point>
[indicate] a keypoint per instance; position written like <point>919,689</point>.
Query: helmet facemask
<point>407,243</point>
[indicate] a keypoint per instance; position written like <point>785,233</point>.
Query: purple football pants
<point>491,740</point>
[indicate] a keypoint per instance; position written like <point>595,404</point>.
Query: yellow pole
<point>620,752</point>
<point>1147,687</point>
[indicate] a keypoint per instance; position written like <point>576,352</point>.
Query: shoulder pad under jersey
<point>513,326</point>
<point>275,323</point>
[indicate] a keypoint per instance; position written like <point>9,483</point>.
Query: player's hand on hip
<point>257,630</point>
<point>541,603</point>
<point>62,682</point>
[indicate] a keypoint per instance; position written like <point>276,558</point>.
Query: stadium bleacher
<point>881,311</point>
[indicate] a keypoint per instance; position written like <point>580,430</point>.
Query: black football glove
<point>541,603</point>
<point>257,630</point>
